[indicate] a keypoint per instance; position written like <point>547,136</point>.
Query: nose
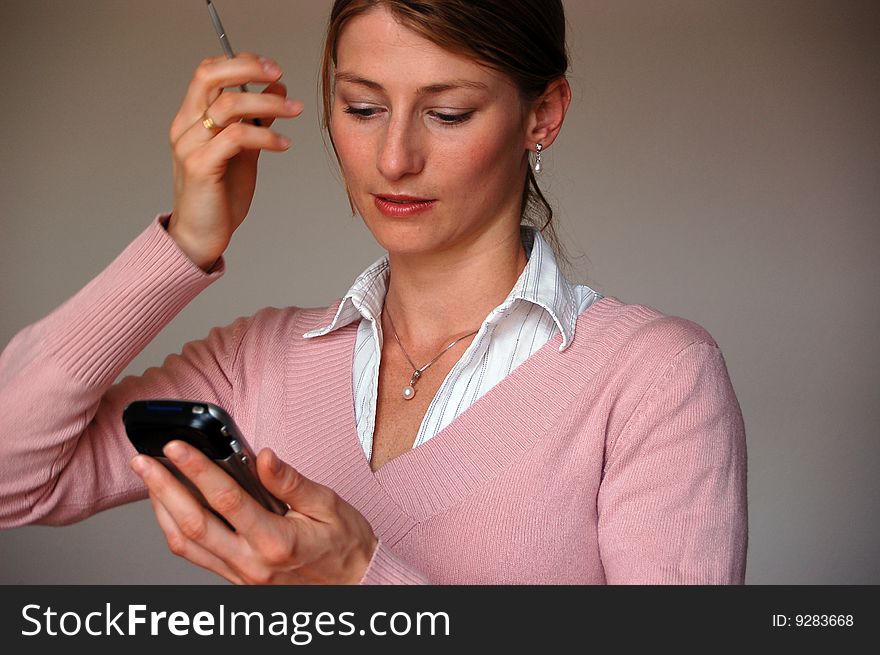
<point>401,151</point>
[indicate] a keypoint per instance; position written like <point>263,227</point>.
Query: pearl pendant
<point>408,392</point>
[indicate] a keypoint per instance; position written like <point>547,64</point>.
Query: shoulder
<point>642,328</point>
<point>657,360</point>
<point>289,323</point>
<point>639,343</point>
<point>267,331</point>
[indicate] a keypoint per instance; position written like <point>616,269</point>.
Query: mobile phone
<point>150,424</point>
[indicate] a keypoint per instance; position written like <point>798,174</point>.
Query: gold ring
<point>209,123</point>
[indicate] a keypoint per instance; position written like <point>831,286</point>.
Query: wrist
<point>198,255</point>
<point>361,561</point>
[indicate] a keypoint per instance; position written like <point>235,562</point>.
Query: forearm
<point>54,376</point>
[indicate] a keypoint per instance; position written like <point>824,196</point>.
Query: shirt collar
<point>363,300</point>
<point>541,283</point>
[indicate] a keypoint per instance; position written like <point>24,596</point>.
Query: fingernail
<point>285,142</point>
<point>176,451</point>
<point>270,66</point>
<point>291,104</point>
<point>274,463</point>
<point>139,465</point>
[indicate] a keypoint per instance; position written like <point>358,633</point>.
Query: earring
<point>538,148</point>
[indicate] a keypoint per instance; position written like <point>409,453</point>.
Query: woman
<point>471,418</point>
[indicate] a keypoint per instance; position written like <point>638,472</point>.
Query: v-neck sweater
<point>541,302</point>
<point>619,460</point>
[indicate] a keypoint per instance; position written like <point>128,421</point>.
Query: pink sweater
<point>620,460</point>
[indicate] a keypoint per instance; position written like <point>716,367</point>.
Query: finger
<point>280,89</point>
<point>221,491</point>
<point>217,73</point>
<point>196,523</point>
<point>212,76</point>
<point>232,107</point>
<point>273,102</point>
<point>188,549</point>
<point>211,159</point>
<point>303,495</point>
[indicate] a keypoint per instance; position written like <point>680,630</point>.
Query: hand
<point>322,539</point>
<point>215,172</point>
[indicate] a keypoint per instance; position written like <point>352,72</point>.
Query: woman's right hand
<point>215,171</point>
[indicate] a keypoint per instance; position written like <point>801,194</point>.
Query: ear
<point>547,113</point>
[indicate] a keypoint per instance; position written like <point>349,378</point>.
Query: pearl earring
<point>538,166</point>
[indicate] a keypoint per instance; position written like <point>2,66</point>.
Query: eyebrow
<point>438,87</point>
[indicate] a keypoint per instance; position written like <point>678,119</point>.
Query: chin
<point>403,236</point>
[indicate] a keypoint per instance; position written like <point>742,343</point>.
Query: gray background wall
<point>720,162</point>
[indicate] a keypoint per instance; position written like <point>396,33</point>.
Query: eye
<point>361,113</point>
<point>451,119</point>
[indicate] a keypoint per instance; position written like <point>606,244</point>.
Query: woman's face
<point>432,145</point>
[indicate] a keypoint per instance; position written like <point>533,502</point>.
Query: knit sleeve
<point>672,501</point>
<point>63,450</point>
<point>386,568</point>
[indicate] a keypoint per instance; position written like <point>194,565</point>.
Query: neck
<point>436,299</point>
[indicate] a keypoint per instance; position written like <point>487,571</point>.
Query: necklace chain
<point>409,391</point>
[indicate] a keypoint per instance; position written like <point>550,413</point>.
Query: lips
<point>402,206</point>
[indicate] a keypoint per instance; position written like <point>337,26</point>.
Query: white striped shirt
<point>541,303</point>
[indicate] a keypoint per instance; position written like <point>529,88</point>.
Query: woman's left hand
<point>321,540</point>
